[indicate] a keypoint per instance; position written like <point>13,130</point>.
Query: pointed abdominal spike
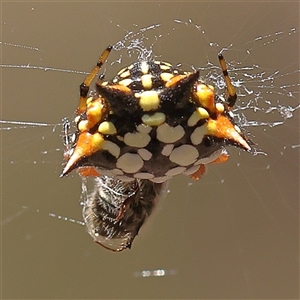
<point>223,128</point>
<point>118,96</point>
<point>86,145</point>
<point>188,79</point>
<point>179,88</point>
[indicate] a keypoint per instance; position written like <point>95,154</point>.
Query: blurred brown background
<point>234,234</point>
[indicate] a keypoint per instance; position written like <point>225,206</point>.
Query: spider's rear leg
<point>85,86</point>
<point>231,94</point>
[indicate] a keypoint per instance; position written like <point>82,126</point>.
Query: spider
<point>151,122</point>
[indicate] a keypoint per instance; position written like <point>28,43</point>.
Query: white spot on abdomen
<point>184,155</point>
<point>136,139</point>
<point>130,163</point>
<point>144,154</point>
<point>198,134</point>
<point>166,151</point>
<point>175,171</point>
<point>160,179</point>
<point>191,170</point>
<point>168,134</point>
<point>142,128</point>
<point>144,175</point>
<point>112,148</point>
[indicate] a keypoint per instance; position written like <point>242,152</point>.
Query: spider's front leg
<point>85,86</point>
<point>230,90</point>
<point>89,113</point>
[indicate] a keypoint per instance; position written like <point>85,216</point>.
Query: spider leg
<point>231,94</point>
<point>85,86</point>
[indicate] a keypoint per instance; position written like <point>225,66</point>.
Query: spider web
<point>267,108</point>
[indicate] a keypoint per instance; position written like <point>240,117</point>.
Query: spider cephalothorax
<point>151,122</point>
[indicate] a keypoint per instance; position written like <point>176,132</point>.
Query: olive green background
<point>234,234</point>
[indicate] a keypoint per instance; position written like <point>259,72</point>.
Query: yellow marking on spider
<point>83,125</point>
<point>154,120</point>
<point>175,80</point>
<point>149,100</point>
<point>89,100</point>
<point>125,82</point>
<point>122,71</point>
<point>107,128</point>
<point>164,67</point>
<point>166,76</point>
<point>202,113</point>
<point>125,74</point>
<point>197,115</point>
<point>94,113</point>
<point>220,107</point>
<point>147,81</point>
<point>205,97</point>
<point>144,67</point>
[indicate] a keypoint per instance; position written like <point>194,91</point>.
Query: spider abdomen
<point>153,122</point>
